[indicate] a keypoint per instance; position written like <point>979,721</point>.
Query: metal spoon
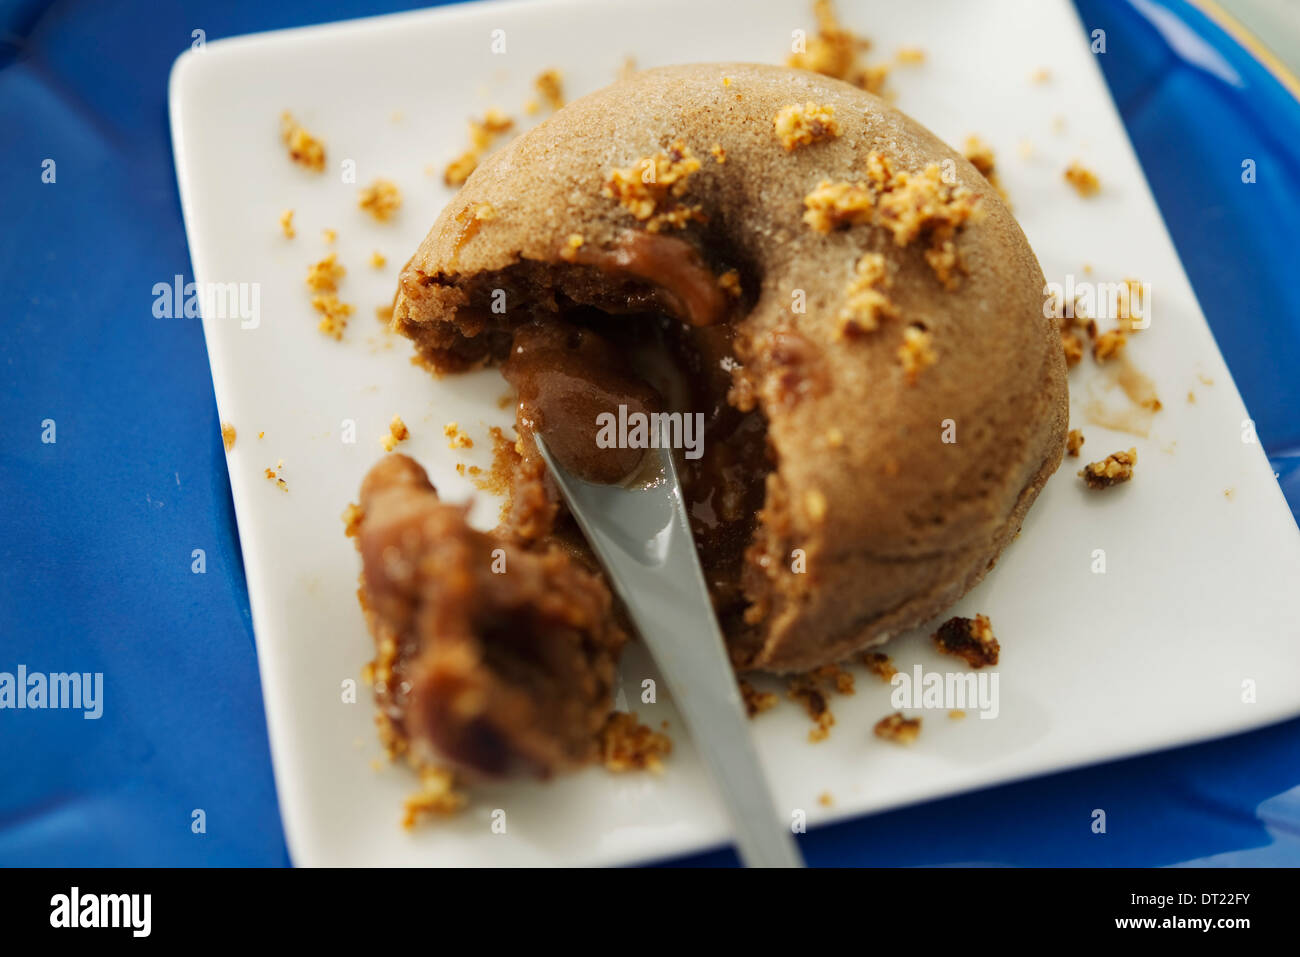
<point>643,539</point>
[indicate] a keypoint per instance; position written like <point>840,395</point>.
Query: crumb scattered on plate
<point>1112,470</point>
<point>1084,180</point>
<point>897,728</point>
<point>397,432</point>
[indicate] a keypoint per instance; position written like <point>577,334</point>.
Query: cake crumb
<point>227,435</point>
<point>1112,470</point>
<point>1072,346</point>
<point>825,799</point>
<point>898,729</point>
<point>381,199</point>
<point>304,149</point>
<point>1041,75</point>
<point>956,715</point>
<point>797,125</point>
<point>756,702</point>
<point>916,353</point>
<point>879,665</point>
<point>1073,443</point>
<point>729,282</point>
<point>970,639</point>
<point>459,440</point>
<point>333,314</point>
<point>1084,181</point>
<point>1109,344</point>
<point>329,235</point>
<point>324,276</point>
<point>550,85</point>
<point>865,303</point>
<point>397,432</point>
<point>261,435</point>
<point>910,56</point>
<point>806,692</point>
<point>286,224</point>
<point>274,475</point>
<point>438,797</point>
<point>384,314</point>
<point>810,688</point>
<point>378,260</point>
<point>980,155</point>
<point>628,745</point>
<point>352,516</point>
<point>650,188</point>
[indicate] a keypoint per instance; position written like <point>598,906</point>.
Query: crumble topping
<point>459,440</point>
<point>482,134</point>
<point>286,224</point>
<point>909,205</point>
<point>898,729</point>
<point>628,745</point>
<point>865,304</point>
<point>804,125</point>
<point>834,206</point>
<point>916,353</point>
<point>1073,443</point>
<point>397,432</point>
<point>1083,180</point>
<point>729,282</point>
<point>1112,470</point>
<point>879,665</point>
<point>381,199</point>
<point>834,51</point>
<point>718,153</point>
<point>970,639</point>
<point>756,702</point>
<point>649,189</point>
<point>227,435</point>
<point>304,149</point>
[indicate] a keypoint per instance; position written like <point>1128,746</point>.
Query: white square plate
<point>1198,596</point>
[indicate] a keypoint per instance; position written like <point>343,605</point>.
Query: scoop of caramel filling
<point>827,510</point>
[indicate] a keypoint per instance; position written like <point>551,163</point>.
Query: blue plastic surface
<point>97,529</point>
